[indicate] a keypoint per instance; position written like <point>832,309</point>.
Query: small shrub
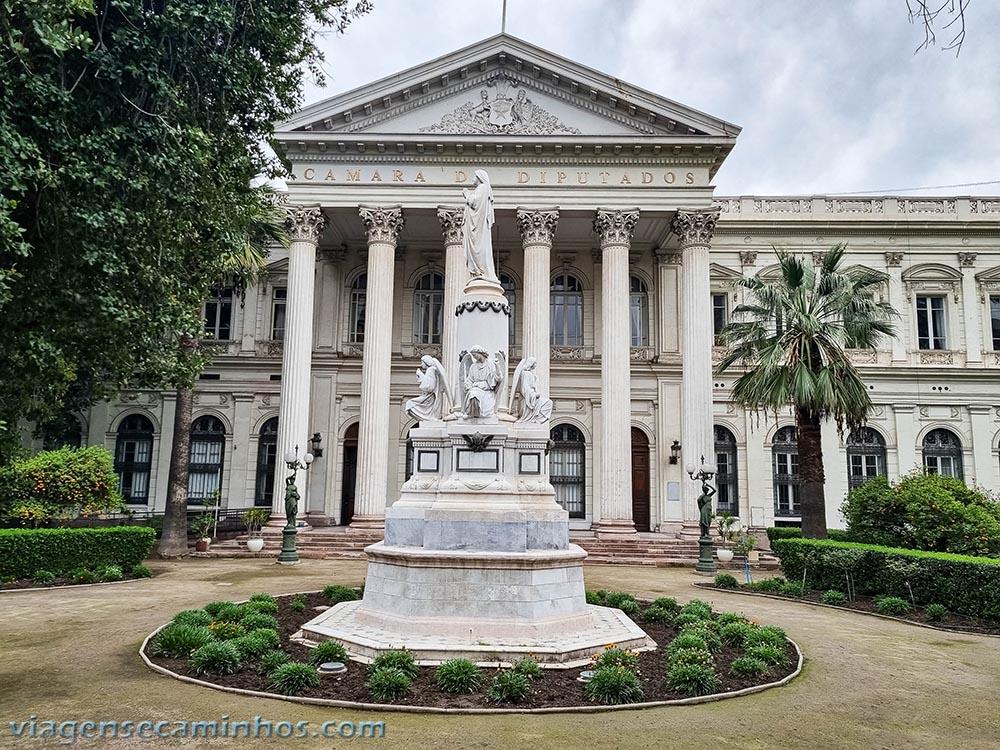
<point>42,577</point>
<point>399,659</point>
<point>726,581</point>
<point>337,594</point>
<point>110,573</point>
<point>388,683</point>
<point>509,686</point>
<point>196,617</point>
<point>666,602</point>
<point>596,597</point>
<point>231,613</point>
<point>293,678</point>
<point>255,620</point>
<point>458,676</point>
<point>328,651</point>
<point>226,631</point>
<point>620,600</point>
<point>612,656</point>
<point>272,660</point>
<point>141,571</point>
<point>687,640</point>
<point>251,646</point>
<point>936,612</point>
<point>528,667</point>
<point>768,654</point>
<point>218,657</point>
<point>892,605</point>
<point>657,614</point>
<point>697,607</point>
<point>726,618</point>
<point>298,603</point>
<point>83,575</point>
<point>792,589</point>
<point>267,635</point>
<point>734,633</point>
<point>707,634</point>
<point>260,606</point>
<point>771,585</point>
<point>834,597</point>
<point>214,608</point>
<point>699,656</point>
<point>693,679</point>
<point>263,596</point>
<point>747,666</point>
<point>768,635</point>
<point>613,686</point>
<point>686,618</point>
<point>178,641</point>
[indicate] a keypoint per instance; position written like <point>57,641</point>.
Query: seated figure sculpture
<point>482,377</point>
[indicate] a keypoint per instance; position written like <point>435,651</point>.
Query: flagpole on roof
<point>503,18</point>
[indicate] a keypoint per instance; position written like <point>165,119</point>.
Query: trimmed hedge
<point>795,532</point>
<point>967,585</point>
<point>25,551</point>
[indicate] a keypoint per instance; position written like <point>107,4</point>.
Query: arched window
<point>726,478</point>
<point>639,311</point>
<point>566,469</point>
<point>356,324</point>
<point>134,458</point>
<point>511,294</point>
<point>865,456</point>
<point>428,306</point>
<point>785,473</point>
<point>943,453</point>
<point>566,311</point>
<point>267,461</point>
<point>208,443</point>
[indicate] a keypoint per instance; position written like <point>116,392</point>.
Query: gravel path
<point>70,654</point>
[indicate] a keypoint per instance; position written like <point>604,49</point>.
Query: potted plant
<point>201,526</point>
<point>727,536</point>
<point>254,519</point>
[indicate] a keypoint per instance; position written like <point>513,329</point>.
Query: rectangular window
<point>219,314</point>
<point>720,315</point>
<point>204,469</point>
<point>930,323</point>
<point>995,320</point>
<point>279,303</point>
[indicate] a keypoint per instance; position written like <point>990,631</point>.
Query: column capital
<point>967,260</point>
<point>382,223</point>
<point>615,226</point>
<point>304,223</point>
<point>452,220</point>
<point>894,258</point>
<point>695,227</point>
<point>537,225</point>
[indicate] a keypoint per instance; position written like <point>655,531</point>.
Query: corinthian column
<point>538,226</point>
<point>456,273</point>
<point>615,230</point>
<point>304,225</point>
<point>694,231</point>
<point>383,224</point>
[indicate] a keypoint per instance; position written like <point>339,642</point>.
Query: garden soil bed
<point>866,605</point>
<point>27,583</point>
<point>556,688</point>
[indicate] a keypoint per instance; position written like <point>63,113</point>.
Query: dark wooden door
<point>640,480</point>
<point>349,474</point>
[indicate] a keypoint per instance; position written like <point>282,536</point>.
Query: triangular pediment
<point>504,86</point>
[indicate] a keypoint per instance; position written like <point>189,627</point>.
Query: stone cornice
<point>615,227</point>
<point>452,220</point>
<point>695,227</point>
<point>537,225</point>
<point>304,223</point>
<point>383,223</point>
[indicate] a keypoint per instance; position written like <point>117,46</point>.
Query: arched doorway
<point>349,475</point>
<point>640,480</point>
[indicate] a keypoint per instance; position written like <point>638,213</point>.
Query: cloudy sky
<point>831,96</point>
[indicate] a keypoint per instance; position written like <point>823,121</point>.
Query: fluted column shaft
<point>615,230</point>
<point>382,224</point>
<point>694,230</point>
<point>456,274</point>
<point>304,226</point>
<point>538,227</point>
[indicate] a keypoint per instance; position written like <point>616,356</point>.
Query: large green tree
<point>790,339</point>
<point>129,136</point>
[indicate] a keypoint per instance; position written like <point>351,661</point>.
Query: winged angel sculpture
<point>435,394</point>
<point>526,402</point>
<point>482,378</point>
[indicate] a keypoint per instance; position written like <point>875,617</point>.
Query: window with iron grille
<point>219,314</point>
<point>639,311</point>
<point>208,443</point>
<point>428,309</point>
<point>134,458</point>
<point>727,499</point>
<point>566,469</point>
<point>785,473</point>
<point>995,320</point>
<point>566,311</point>
<point>359,296</point>
<point>267,461</point>
<point>942,453</point>
<point>865,456</point>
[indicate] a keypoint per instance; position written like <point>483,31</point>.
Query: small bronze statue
<point>705,507</point>
<point>291,499</point>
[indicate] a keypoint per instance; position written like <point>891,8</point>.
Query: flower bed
<point>248,647</point>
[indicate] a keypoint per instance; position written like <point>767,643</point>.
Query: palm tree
<point>241,265</point>
<point>790,338</point>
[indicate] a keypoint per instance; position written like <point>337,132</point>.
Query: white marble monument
<point>476,560</point>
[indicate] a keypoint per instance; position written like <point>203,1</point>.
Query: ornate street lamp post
<point>706,562</point>
<point>289,554</point>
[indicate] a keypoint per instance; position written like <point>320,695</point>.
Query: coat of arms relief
<point>498,112</point>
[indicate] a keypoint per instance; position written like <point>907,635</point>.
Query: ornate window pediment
<point>988,282</point>
<point>931,278</point>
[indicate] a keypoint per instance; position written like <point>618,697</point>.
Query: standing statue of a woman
<point>705,508</point>
<point>478,235</point>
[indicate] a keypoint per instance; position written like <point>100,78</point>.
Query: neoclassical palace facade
<point>607,231</point>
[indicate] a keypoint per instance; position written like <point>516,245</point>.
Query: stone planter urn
<point>255,544</point>
<point>724,554</point>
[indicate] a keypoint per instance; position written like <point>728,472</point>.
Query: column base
<point>615,528</point>
<point>367,523</point>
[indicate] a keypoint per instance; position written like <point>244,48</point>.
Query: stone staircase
<point>337,542</point>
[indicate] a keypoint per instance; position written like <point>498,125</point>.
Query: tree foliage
<point>130,131</point>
